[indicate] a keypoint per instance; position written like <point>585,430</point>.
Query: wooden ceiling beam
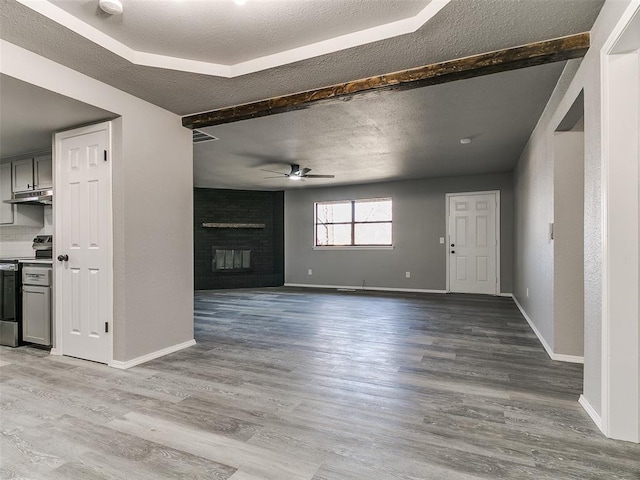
<point>538,53</point>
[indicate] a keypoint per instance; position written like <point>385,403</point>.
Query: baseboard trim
<point>590,411</point>
<point>55,352</point>
<point>559,357</point>
<point>361,289</point>
<point>377,289</point>
<point>151,356</point>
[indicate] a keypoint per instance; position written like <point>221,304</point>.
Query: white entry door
<point>473,246</point>
<point>83,298</point>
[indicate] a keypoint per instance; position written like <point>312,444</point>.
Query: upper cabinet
<point>16,215</point>
<point>22,175</point>
<point>6,209</point>
<point>32,174</point>
<point>42,172</point>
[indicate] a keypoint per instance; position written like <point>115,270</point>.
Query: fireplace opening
<point>226,259</point>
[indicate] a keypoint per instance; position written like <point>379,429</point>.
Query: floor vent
<point>199,137</point>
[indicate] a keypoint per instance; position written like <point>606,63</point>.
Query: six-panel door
<point>83,242</point>
<point>473,243</point>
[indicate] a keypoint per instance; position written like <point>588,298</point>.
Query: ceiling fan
<point>296,173</point>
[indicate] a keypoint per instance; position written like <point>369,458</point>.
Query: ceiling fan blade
<point>279,176</point>
<point>319,176</point>
<point>303,172</point>
<point>273,171</point>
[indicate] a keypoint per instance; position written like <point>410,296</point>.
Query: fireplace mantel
<point>233,225</point>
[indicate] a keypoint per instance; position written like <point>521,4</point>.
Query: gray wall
<point>533,179</point>
<point>418,223</point>
<point>568,243</point>
<point>152,207</point>
<point>153,233</point>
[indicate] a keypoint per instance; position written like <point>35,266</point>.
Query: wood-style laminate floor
<point>293,384</point>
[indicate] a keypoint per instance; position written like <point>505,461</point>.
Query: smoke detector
<point>112,7</point>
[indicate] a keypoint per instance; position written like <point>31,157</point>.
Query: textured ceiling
<point>463,27</point>
<point>224,32</point>
<point>30,114</point>
<point>385,135</point>
<point>373,137</point>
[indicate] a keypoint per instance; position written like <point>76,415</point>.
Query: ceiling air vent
<point>199,137</point>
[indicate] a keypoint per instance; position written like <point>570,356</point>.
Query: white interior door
<point>473,249</point>
<point>83,287</point>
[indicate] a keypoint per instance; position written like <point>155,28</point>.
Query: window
<point>353,223</point>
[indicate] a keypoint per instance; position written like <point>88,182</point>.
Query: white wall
<point>418,223</point>
<point>17,241</point>
<point>533,264</point>
<point>152,207</point>
<point>621,284</point>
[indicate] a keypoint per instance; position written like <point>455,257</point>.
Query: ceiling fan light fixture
<point>112,7</point>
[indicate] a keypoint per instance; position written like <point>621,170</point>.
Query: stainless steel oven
<point>10,303</point>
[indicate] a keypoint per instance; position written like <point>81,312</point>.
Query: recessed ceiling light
<point>112,7</point>
<point>465,140</point>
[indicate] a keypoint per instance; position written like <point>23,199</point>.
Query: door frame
<point>58,347</point>
<point>448,234</point>
<point>616,294</point>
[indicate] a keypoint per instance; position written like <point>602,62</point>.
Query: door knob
<point>63,258</point>
<point>453,244</point>
<point>453,251</point>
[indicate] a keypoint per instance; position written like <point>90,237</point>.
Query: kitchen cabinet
<point>22,171</point>
<point>42,172</point>
<point>36,304</point>
<point>36,314</point>
<point>16,215</point>
<point>6,210</point>
<point>32,174</point>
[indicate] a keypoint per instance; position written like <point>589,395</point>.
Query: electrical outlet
<point>527,292</point>
<point>309,272</point>
<point>407,274</point>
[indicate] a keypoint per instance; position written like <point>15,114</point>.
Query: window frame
<point>353,223</point>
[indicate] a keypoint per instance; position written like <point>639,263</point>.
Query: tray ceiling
<point>223,38</point>
<point>461,28</point>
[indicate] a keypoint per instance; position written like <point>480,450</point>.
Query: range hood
<point>35,197</point>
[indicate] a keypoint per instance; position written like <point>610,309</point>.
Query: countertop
<point>43,261</point>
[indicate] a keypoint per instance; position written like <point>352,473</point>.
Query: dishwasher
<point>36,304</point>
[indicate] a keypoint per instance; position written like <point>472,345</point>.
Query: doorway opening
<point>567,234</point>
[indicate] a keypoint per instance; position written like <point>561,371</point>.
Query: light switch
<point>442,240</point>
